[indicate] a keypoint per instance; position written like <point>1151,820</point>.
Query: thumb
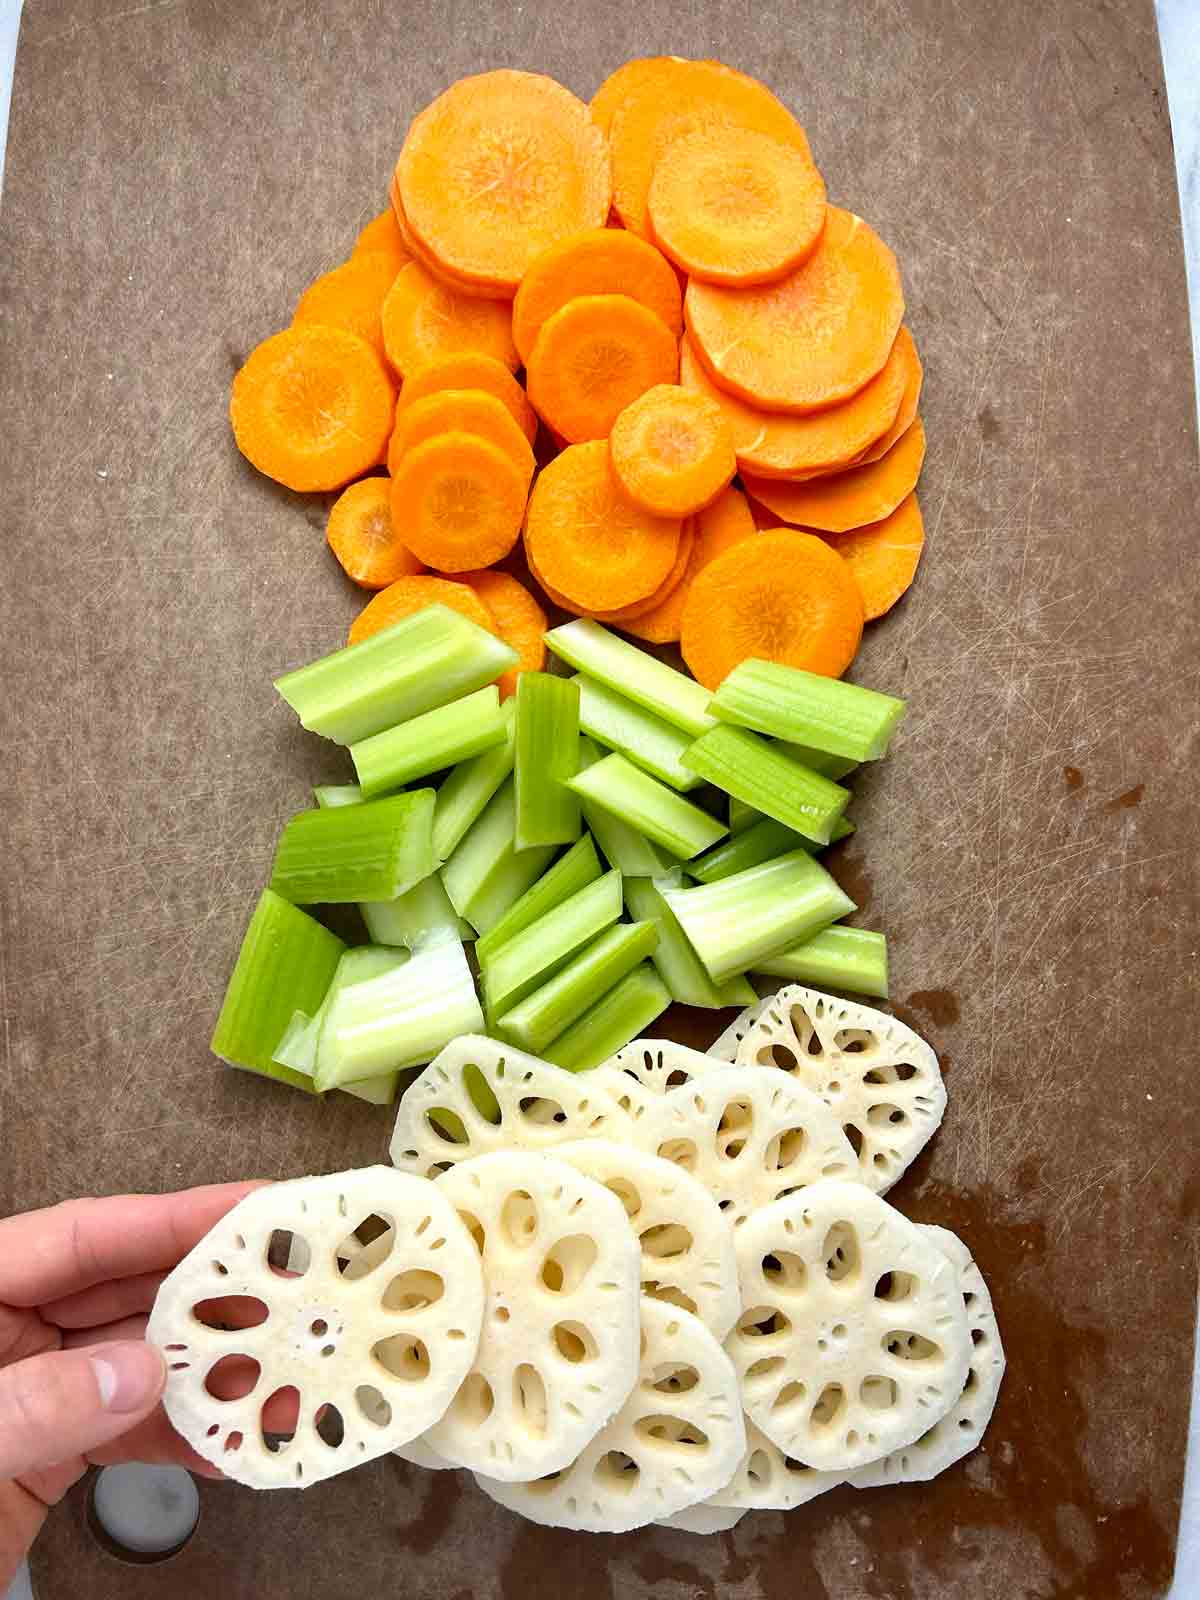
<point>70,1401</point>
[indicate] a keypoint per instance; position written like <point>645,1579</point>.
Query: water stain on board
<point>1073,777</point>
<point>939,1005</point>
<point>989,422</point>
<point>849,868</point>
<point>1126,802</point>
<point>425,1532</point>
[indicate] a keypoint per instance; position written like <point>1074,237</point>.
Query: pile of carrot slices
<point>719,390</point>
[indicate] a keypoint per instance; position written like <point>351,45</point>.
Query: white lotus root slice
<point>748,1137</point>
<point>686,1243</point>
<point>372,1354</point>
<point>421,1454</point>
<point>703,1518</point>
<point>880,1077</point>
<point>961,1429</point>
<point>661,1064</point>
<point>854,1339</point>
<point>767,1479</point>
<point>725,1046</point>
<point>678,1438</point>
<point>558,1353</point>
<point>534,1106</point>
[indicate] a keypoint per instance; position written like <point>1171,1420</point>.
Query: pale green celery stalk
<point>424,660</point>
<point>436,739</point>
<point>466,790</point>
<point>648,806</point>
<point>624,847</point>
<point>421,916</point>
<point>621,724</point>
<point>487,874</point>
<point>331,795</point>
<point>676,963</point>
<point>573,871</point>
<point>367,852</point>
<point>742,817</point>
<point>298,1049</point>
<point>622,1014</point>
<point>545,1013</point>
<point>547,758</point>
<point>738,922</point>
<point>835,958</point>
<point>750,767</point>
<point>806,708</point>
<point>763,841</point>
<point>526,960</point>
<point>286,964</point>
<point>835,767</point>
<point>593,650</point>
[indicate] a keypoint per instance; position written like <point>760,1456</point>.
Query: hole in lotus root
<point>288,1254</point>
<point>616,1471</point>
<point>677,1077</point>
<point>761,1322</point>
<point>480,1091</point>
<point>758,1468</point>
<point>543,1113</point>
<point>764,1369</point>
<point>891,1072</point>
<point>234,1441</point>
<point>895,1286</point>
<point>474,1402</point>
<point>330,1427</point>
<point>908,1346</point>
<point>413,1290</point>
<point>529,1398</point>
<point>474,1227</point>
<point>232,1377</point>
<point>830,1403</point>
<point>785,1149</point>
<point>567,1263</point>
<point>854,1134</point>
<point>519,1218</point>
<point>790,1395</point>
<point>671,1431</point>
<point>228,1313</point>
<point>878,1393</point>
<point>666,1241</point>
<point>883,1115</point>
<point>372,1405</point>
<point>672,1377</point>
<point>627,1194</point>
<point>446,1125</point>
<point>280,1413</point>
<point>854,1041</point>
<point>669,1293</point>
<point>682,1152</point>
<point>403,1356</point>
<point>785,1271</point>
<point>734,1128</point>
<point>574,1342</point>
<point>841,1252</point>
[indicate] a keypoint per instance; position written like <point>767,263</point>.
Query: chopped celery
<point>740,921</point>
<point>741,815</point>
<point>436,739</point>
<point>330,795</point>
<point>624,847</point>
<point>571,872</point>
<point>547,758</point>
<point>837,957</point>
<point>367,852</point>
<point>821,761</point>
<point>649,806</point>
<point>617,1017</point>
<point>763,841</point>
<point>420,916</point>
<point>542,1015</point>
<point>538,951</point>
<point>676,963</point>
<point>424,660</point>
<point>623,725</point>
<point>486,874</point>
<point>591,649</point>
<point>808,709</point>
<point>466,790</point>
<point>298,1048</point>
<point>744,764</point>
<point>286,964</point>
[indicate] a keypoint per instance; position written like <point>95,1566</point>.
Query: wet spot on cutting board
<point>939,1005</point>
<point>1074,777</point>
<point>1131,797</point>
<point>989,424</point>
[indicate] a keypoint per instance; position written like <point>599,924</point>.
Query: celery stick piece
<point>422,661</point>
<point>676,963</point>
<point>593,650</point>
<point>835,958</point>
<point>623,725</point>
<point>744,764</point>
<point>573,871</point>
<point>367,852</point>
<point>298,1049</point>
<point>821,761</point>
<point>420,916</point>
<point>436,739</point>
<point>750,848</point>
<point>330,795</point>
<point>466,790</point>
<point>538,951</point>
<point>624,847</point>
<point>547,757</point>
<point>619,1016</point>
<point>740,921</point>
<point>649,806</point>
<point>486,874</point>
<point>741,815</point>
<point>545,1013</point>
<point>808,709</point>
<point>286,963</point>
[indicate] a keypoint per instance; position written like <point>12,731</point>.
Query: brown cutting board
<point>177,172</point>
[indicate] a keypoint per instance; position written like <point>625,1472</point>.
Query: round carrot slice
<point>460,411</point>
<point>847,499</point>
<point>883,556</point>
<point>351,296</point>
<point>312,407</point>
<point>814,338</point>
<point>520,620</point>
<point>471,370</point>
<point>601,261</point>
<point>362,537</point>
<point>459,500</point>
<point>418,251</point>
<point>588,540</point>
<point>595,357</point>
<point>717,528</point>
<point>406,595</point>
<point>498,168</point>
<point>619,85</point>
<point>672,450</point>
<point>636,608</point>
<point>383,233</point>
<point>734,206</point>
<point>905,416</point>
<point>424,318</point>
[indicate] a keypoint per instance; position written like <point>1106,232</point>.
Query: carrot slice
<point>847,499</point>
<point>733,206</point>
<point>406,595</point>
<point>908,406</point>
<point>351,296</point>
<point>471,370</point>
<point>619,85</point>
<point>460,411</point>
<point>383,233</point>
<point>717,528</point>
<point>423,319</point>
<point>588,540</point>
<point>672,450</point>
<point>784,596</point>
<point>601,261</point>
<point>312,407</point>
<point>459,500</point>
<point>499,167</point>
<point>814,338</point>
<point>636,608</point>
<point>418,251</point>
<point>593,358</point>
<point>362,536</point>
<point>519,619</point>
<point>883,556</point>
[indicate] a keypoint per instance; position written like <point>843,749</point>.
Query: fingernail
<point>128,1376</point>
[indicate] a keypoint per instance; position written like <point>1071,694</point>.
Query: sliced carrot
<point>418,251</point>
<point>519,619</point>
<point>460,411</point>
<point>903,419</point>
<point>883,556</point>
<point>672,450</point>
<point>783,596</point>
<point>730,205</point>
<point>501,166</point>
<point>616,88</point>
<point>470,370</point>
<point>851,498</point>
<point>458,501</point>
<point>424,319</point>
<point>601,261</point>
<point>312,407</point>
<point>363,538</point>
<point>641,608</point>
<point>717,528</point>
<point>593,358</point>
<point>588,540</point>
<point>383,233</point>
<point>351,296</point>
<point>406,595</point>
<point>814,338</point>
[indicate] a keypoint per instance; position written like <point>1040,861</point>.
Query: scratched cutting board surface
<point>177,173</point>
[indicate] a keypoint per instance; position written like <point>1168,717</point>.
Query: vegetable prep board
<point>177,173</point>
